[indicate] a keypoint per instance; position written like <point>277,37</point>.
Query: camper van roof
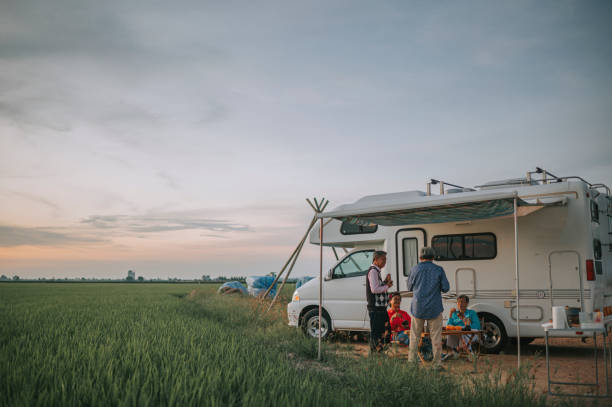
<point>416,207</point>
<point>413,200</point>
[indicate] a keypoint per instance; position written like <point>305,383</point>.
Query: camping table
<point>580,333</point>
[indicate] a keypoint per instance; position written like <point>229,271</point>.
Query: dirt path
<point>571,360</point>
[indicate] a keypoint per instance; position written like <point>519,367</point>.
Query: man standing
<point>378,299</point>
<point>427,281</point>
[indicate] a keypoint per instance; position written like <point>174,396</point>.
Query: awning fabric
<point>415,209</point>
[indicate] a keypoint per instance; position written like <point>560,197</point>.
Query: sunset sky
<point>180,138</point>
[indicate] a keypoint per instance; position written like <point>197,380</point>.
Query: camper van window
<point>594,212</point>
<point>348,228</point>
<point>410,254</point>
<point>475,246</point>
<point>597,249</point>
<point>355,264</point>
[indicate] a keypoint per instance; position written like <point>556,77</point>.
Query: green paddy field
<point>139,344</point>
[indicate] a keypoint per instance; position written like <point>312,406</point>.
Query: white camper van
<point>564,253</point>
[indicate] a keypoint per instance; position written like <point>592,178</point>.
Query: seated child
<point>400,321</point>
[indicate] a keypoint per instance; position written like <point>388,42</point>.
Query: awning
<point>416,208</point>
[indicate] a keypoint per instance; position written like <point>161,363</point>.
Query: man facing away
<point>427,281</point>
<point>378,300</point>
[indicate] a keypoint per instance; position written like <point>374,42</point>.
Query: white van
<point>565,257</point>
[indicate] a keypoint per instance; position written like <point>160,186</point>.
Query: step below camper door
<point>408,243</point>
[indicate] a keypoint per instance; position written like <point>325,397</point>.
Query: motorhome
<point>562,236</point>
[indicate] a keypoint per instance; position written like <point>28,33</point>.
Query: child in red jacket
<point>400,321</point>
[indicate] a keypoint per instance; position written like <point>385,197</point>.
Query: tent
<point>411,208</point>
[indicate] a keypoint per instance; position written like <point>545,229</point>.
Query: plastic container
<point>559,318</point>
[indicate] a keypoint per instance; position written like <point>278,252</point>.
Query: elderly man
<point>378,299</point>
<point>427,281</point>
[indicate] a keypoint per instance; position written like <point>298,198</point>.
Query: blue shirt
<point>471,314</point>
<point>427,281</point>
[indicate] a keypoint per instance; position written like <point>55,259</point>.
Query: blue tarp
<point>231,286</point>
<point>258,285</point>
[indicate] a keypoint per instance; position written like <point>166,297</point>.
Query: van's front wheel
<point>494,335</point>
<point>310,324</point>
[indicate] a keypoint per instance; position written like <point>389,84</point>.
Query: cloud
<point>104,228</point>
<point>215,236</point>
<point>214,112</point>
<point>24,112</point>
<point>169,180</point>
<point>161,223</point>
<point>12,236</point>
<point>37,199</point>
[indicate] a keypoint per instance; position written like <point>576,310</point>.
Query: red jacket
<point>396,319</point>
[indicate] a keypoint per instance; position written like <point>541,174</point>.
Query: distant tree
<point>16,278</point>
<point>140,278</point>
<point>131,276</point>
<point>206,277</point>
<point>4,277</point>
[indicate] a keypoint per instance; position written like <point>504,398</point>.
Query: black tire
<point>310,324</point>
<point>495,337</point>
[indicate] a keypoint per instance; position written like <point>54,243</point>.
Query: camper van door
<point>565,278</point>
<point>408,243</point>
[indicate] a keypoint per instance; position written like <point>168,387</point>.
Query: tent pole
<point>320,284</point>
<point>516,271</point>
<point>292,257</point>
<point>300,246</point>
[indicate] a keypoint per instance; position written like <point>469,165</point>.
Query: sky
<point>178,139</point>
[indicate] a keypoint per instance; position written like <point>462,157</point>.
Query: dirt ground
<point>571,361</point>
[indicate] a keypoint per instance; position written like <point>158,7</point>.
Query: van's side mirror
<point>329,274</point>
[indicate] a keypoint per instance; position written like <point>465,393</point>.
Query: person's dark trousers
<point>380,329</point>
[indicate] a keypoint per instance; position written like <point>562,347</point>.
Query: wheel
<point>310,324</point>
<point>494,336</point>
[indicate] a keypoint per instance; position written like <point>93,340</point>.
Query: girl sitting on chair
<point>400,321</point>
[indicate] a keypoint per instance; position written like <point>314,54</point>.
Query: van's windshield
<point>355,264</point>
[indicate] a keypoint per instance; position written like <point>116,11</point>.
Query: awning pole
<point>320,283</point>
<point>516,270</point>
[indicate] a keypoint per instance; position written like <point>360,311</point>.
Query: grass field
<point>157,344</point>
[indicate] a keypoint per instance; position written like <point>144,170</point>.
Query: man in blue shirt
<point>427,281</point>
